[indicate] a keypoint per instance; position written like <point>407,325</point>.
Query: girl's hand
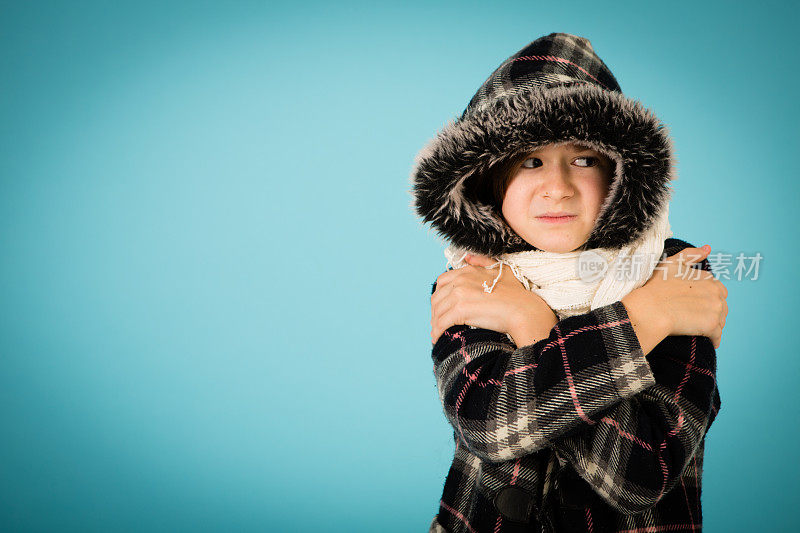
<point>692,300</point>
<point>510,308</point>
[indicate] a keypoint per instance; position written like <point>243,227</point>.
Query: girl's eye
<point>530,162</point>
<point>589,158</point>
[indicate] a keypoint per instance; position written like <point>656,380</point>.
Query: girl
<point>580,385</point>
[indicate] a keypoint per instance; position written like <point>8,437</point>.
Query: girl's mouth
<point>557,220</point>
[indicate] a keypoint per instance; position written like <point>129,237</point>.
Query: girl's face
<point>557,179</point>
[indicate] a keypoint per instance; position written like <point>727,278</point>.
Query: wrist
<point>530,327</point>
<point>525,337</point>
<point>649,317</point>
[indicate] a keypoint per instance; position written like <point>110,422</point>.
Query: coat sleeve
<point>505,401</point>
<point>637,451</point>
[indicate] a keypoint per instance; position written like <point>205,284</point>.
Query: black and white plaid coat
<point>576,432</point>
<point>580,431</point>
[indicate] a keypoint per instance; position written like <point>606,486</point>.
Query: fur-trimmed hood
<point>554,90</point>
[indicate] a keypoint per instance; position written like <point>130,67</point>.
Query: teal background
<point>214,296</point>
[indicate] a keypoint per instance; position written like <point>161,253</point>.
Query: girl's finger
<point>445,277</point>
<point>436,329</point>
<point>448,319</point>
<point>441,308</point>
<point>692,255</point>
<point>440,293</point>
<point>724,289</point>
<point>444,290</point>
<point>724,313</point>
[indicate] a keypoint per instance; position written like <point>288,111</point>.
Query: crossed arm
<point>584,390</point>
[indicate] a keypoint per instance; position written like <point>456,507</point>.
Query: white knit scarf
<point>568,283</point>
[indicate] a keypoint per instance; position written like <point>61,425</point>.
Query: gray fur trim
<point>607,121</point>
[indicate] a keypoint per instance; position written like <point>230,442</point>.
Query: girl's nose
<point>556,184</point>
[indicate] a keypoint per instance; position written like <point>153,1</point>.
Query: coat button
<point>514,503</point>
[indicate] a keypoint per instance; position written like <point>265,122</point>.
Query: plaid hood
<point>554,90</point>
